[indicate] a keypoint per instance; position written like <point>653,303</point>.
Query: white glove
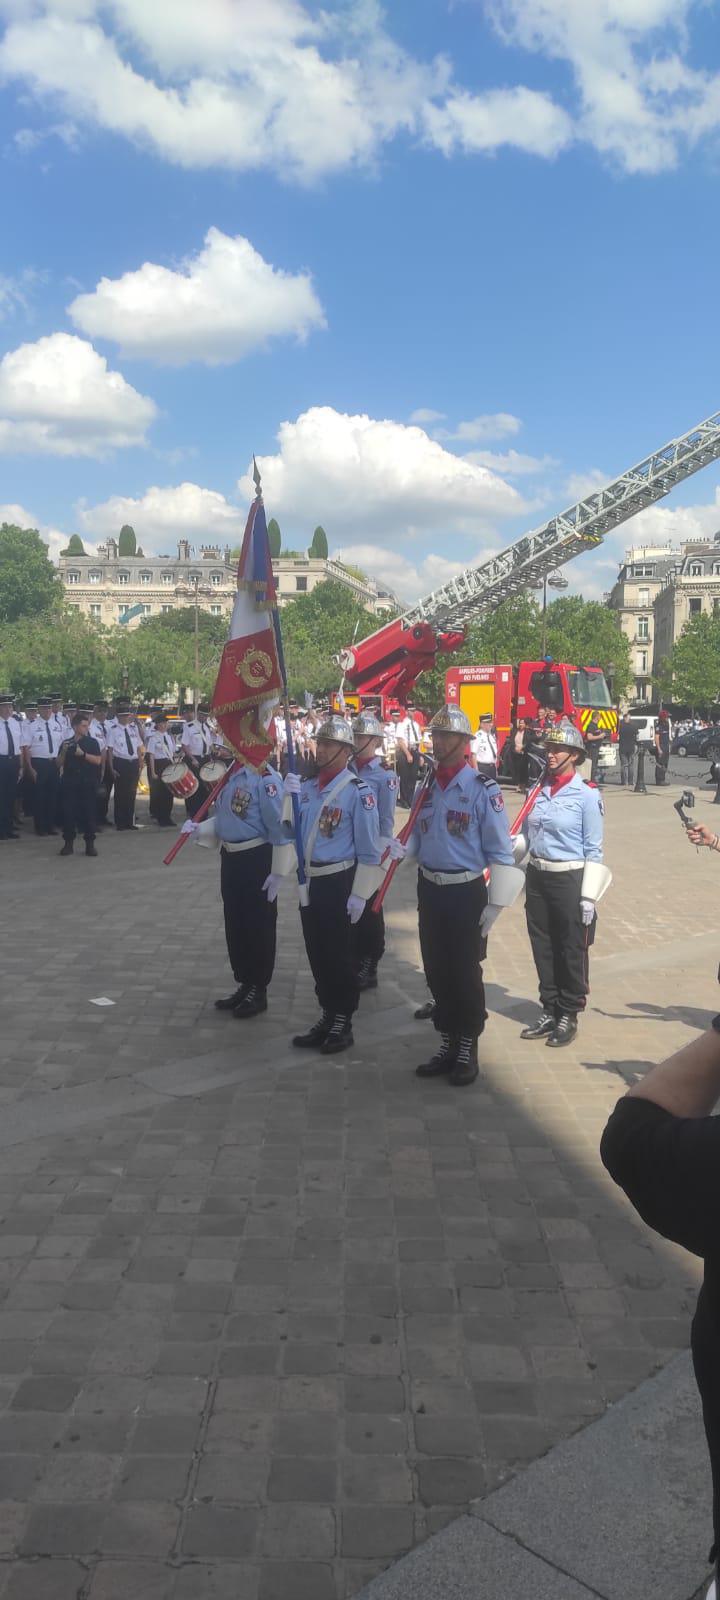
<point>487,918</point>
<point>271,885</point>
<point>190,826</point>
<point>355,907</point>
<point>587,911</point>
<point>397,851</point>
<point>292,783</point>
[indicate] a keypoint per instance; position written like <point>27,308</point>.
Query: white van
<point>645,728</point>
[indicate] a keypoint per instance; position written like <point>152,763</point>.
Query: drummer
<point>160,752</point>
<point>197,741</point>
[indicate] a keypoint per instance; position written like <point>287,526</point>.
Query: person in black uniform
<point>662,747</point>
<point>10,746</point>
<point>80,760</point>
<point>662,1147</point>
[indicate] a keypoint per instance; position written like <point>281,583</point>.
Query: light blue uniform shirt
<point>384,785</point>
<point>249,807</point>
<point>348,828</point>
<point>463,828</point>
<point>567,826</point>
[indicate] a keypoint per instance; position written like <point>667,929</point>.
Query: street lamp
<point>194,591</point>
<point>554,580</point>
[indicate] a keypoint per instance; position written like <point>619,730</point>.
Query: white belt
<point>244,844</point>
<point>555,866</point>
<point>450,877</point>
<point>331,866</point>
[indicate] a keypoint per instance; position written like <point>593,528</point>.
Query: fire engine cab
<point>510,693</point>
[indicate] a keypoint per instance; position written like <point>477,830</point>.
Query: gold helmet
<point>451,720</point>
<point>565,735</point>
<point>335,728</point>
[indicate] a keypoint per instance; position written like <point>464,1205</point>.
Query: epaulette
<point>483,776</point>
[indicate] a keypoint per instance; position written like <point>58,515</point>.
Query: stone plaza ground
<point>269,1321</point>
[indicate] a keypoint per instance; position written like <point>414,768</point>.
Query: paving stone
<point>153,1478</point>
<point>235,1580</point>
<point>299,1532</point>
<point>367,1478</point>
<point>302,1479</point>
<point>45,1394</point>
<point>45,1580</point>
<point>374,1530</point>
<point>237,1479</point>
<point>132,1580</point>
<point>73,1477</point>
<point>145,1529</point>
<point>169,1434</point>
<point>304,1580</point>
<point>63,1530</point>
<point>219,1531</point>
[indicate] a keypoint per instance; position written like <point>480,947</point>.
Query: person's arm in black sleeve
<point>662,1146</point>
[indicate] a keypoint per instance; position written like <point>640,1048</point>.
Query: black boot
<point>443,1060</point>
<point>253,1002</point>
<point>338,1037</point>
<point>546,1023</point>
<point>90,847</point>
<point>316,1035</point>
<point>367,975</point>
<point>466,1066</point>
<point>232,1000</point>
<point>425,1013</point>
<point>564,1032</point>
<point>67,848</point>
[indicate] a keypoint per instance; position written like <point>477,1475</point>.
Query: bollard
<point>640,778</point>
<point>715,774</point>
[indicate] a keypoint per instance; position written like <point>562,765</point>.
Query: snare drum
<point>180,780</point>
<point>211,772</point>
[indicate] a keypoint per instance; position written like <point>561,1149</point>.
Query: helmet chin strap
<point>338,748</point>
<point>563,764</point>
<point>451,755</point>
<point>360,749</point>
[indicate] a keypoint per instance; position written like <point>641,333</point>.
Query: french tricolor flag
<point>249,681</point>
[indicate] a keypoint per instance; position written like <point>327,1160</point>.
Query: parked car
<point>697,742</point>
<point>710,746</point>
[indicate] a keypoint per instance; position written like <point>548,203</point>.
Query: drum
<point>180,780</point>
<point>212,771</point>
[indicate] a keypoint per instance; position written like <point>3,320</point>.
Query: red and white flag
<point>249,682</point>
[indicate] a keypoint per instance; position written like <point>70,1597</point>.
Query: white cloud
<point>408,580</point>
<point>368,479</point>
<point>58,397</point>
<point>483,429</point>
<point>218,306</point>
<point>425,414</point>
<point>54,538</point>
<point>162,515</point>
<point>479,123</point>
<point>510,463</point>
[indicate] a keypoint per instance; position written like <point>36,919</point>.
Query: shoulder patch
<point>271,789</point>
<point>368,799</point>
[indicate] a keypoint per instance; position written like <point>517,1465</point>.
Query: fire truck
<point>508,694</point>
<point>383,669</point>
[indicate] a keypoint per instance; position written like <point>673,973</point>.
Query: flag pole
<point>285,703</point>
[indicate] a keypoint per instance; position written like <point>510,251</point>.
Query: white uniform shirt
<point>118,744</point>
<point>42,740</point>
<point>11,732</point>
<point>197,739</point>
<point>161,746</point>
<point>389,738</point>
<point>99,732</point>
<point>26,726</point>
<point>484,747</point>
<point>409,730</point>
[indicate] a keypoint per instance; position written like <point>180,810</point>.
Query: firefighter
<point>369,933</point>
<point>341,844</point>
<point>565,878</point>
<point>462,828</point>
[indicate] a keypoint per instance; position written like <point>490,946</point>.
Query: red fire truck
<point>510,693</point>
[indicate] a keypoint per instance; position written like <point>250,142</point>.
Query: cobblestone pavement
<point>266,1322</point>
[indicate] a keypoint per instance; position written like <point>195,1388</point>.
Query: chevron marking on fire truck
<point>606,719</point>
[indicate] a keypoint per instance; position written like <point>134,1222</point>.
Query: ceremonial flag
<point>249,682</point>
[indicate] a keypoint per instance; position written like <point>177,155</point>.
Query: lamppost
<point>553,580</point>
<point>194,591</point>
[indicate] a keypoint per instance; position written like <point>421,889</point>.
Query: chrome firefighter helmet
<point>335,728</point>
<point>366,724</point>
<point>451,719</point>
<point>565,736</point>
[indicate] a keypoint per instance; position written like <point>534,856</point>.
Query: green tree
<point>691,673</point>
<point>510,633</point>
<point>57,648</point>
<point>586,633</point>
<point>159,655</point>
<point>74,546</point>
<point>29,583</point>
<point>315,627</point>
<point>319,548</point>
<point>127,543</point>
<point>274,538</point>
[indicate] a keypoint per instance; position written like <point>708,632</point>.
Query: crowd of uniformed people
<point>63,767</point>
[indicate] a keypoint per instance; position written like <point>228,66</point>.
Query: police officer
<point>565,878</point>
<point>43,742</point>
<point>368,734</point>
<point>198,738</point>
<point>26,784</point>
<point>160,751</point>
<point>126,751</point>
<point>100,731</point>
<point>80,764</point>
<point>10,748</point>
<point>485,749</point>
<point>341,843</point>
<point>462,829</point>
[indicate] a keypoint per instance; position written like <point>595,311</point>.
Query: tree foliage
<point>315,627</point>
<point>319,547</point>
<point>56,648</point>
<point>274,538</point>
<point>690,675</point>
<point>29,583</point>
<point>74,546</point>
<point>127,543</point>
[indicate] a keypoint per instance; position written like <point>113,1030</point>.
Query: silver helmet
<point>336,728</point>
<point>565,736</point>
<point>450,719</point>
<point>366,723</point>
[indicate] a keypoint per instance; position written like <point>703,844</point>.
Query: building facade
<point>689,590</point>
<point>112,589</point>
<point>633,596</point>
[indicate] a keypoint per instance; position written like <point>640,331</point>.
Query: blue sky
<point>294,230</point>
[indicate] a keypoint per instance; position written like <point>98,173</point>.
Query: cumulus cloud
<point>161,515</point>
<point>483,429</point>
<point>407,579</point>
<point>511,463</point>
<point>54,538</point>
<point>59,397</point>
<point>367,478</point>
<point>481,123</point>
<point>215,307</point>
<point>425,414</point>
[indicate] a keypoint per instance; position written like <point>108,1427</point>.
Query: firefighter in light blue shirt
<point>247,826</point>
<point>341,845</point>
<point>565,879</point>
<point>368,735</point>
<point>461,829</point>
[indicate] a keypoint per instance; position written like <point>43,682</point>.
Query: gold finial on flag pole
<point>257,480</point>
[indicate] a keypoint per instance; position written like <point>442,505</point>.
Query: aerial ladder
<point>389,662</point>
